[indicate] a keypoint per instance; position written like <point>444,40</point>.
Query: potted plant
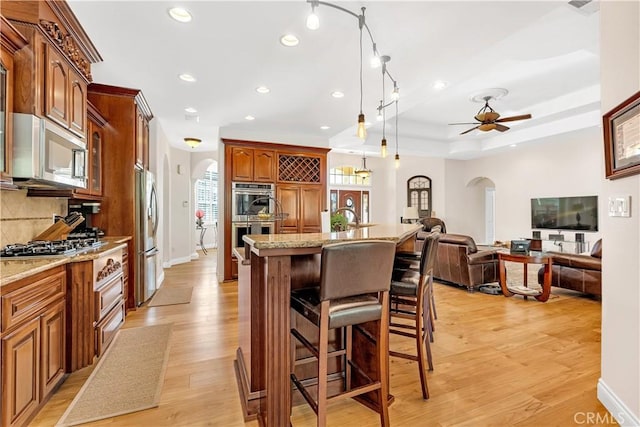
<point>338,222</point>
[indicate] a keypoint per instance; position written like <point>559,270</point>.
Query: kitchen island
<point>269,267</point>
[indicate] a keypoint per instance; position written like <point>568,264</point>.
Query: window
<point>207,196</point>
<point>344,175</point>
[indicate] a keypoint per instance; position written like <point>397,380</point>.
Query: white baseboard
<point>175,261</point>
<point>159,280</point>
<point>616,407</point>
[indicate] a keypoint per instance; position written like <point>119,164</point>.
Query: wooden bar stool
<point>410,299</point>
<point>354,289</point>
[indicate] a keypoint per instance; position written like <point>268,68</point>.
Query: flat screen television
<point>565,213</point>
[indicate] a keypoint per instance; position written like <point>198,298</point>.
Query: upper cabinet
<point>252,164</point>
<point>12,41</point>
<point>53,70</point>
<point>95,147</point>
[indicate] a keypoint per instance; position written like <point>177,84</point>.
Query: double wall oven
<point>251,206</point>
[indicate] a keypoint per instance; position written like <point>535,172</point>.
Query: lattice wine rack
<point>298,168</point>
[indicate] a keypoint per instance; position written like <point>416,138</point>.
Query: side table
<point>203,230</point>
<point>526,259</point>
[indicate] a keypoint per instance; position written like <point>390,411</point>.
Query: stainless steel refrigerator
<point>146,228</point>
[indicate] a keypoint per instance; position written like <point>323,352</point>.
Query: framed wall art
<point>621,128</point>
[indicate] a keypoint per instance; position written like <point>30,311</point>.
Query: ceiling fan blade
<point>469,130</point>
<point>500,127</point>
<point>463,123</point>
<point>514,118</point>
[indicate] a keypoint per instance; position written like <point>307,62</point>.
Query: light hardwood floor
<point>498,362</point>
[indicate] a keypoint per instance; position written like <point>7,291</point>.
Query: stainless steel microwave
<point>46,155</point>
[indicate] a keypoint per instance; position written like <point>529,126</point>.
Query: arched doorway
<point>481,199</point>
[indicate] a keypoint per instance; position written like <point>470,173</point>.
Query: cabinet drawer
<point>108,296</point>
<point>106,330</point>
<point>26,301</point>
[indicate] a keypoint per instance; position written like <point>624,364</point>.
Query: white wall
<point>564,165</point>
<point>619,385</point>
<point>180,205</point>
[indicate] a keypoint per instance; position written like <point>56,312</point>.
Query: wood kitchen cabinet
<point>12,41</point>
<point>54,69</point>
<point>95,147</point>
<point>66,93</point>
<point>121,109</point>
<point>32,338</point>
<point>303,204</point>
<point>252,164</point>
<point>299,174</point>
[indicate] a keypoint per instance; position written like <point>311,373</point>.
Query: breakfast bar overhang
<point>269,267</point>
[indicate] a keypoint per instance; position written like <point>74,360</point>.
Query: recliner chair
<point>459,261</point>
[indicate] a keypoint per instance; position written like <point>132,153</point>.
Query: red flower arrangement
<point>199,216</point>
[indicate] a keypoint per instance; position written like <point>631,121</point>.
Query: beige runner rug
<point>127,378</point>
<point>170,296</point>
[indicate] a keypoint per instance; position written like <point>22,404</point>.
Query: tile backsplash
<point>22,218</point>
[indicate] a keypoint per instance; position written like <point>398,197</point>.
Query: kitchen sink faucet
<point>355,215</point>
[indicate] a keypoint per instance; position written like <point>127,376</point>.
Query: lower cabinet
<point>32,338</point>
<point>95,290</point>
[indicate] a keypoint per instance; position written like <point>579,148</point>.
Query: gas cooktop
<point>51,248</point>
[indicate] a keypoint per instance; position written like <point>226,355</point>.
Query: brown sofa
<point>581,273</point>
<point>459,261</point>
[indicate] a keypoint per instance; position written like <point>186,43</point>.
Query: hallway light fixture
<point>377,60</point>
<point>192,142</point>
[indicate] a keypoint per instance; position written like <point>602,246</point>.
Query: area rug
<point>170,296</point>
<point>127,378</point>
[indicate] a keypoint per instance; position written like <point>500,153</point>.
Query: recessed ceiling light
<point>440,84</point>
<point>337,94</point>
<point>324,127</point>
<point>513,145</point>
<point>289,40</point>
<point>263,89</point>
<point>249,118</point>
<point>187,77</point>
<point>190,110</point>
<point>180,14</point>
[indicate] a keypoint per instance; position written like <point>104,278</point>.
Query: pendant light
<point>313,23</point>
<point>383,144</point>
<point>397,156</point>
<point>363,172</point>
<point>362,130</point>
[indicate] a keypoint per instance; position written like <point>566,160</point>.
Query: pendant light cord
<point>361,64</point>
<point>396,127</point>
<point>384,117</point>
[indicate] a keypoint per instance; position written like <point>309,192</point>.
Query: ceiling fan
<point>488,119</point>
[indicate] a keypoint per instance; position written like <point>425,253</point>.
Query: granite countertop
<point>14,269</point>
<point>393,232</point>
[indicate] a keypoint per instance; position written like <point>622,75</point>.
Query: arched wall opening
<point>480,199</point>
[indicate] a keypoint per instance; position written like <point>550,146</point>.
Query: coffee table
<point>526,259</point>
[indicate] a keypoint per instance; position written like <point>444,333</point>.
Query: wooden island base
<point>269,267</point>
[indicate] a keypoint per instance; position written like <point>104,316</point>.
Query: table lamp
<point>410,213</point>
